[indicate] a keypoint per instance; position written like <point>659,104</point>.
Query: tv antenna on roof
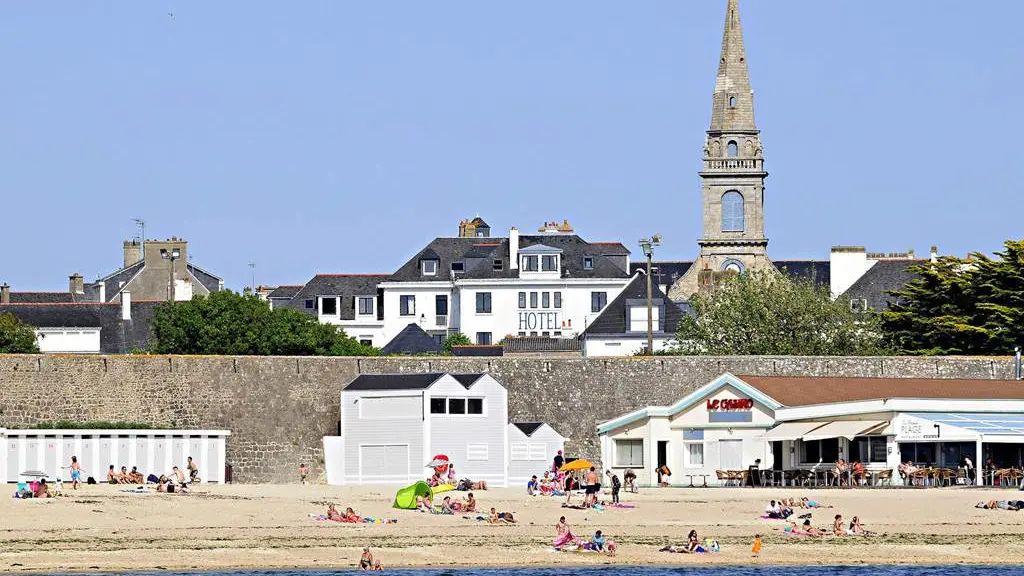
<point>141,225</point>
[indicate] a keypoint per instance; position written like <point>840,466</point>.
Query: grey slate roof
<point>882,278</point>
<point>666,271</point>
<point>44,297</point>
<point>478,255</point>
<point>347,286</point>
<point>116,336</point>
<point>611,248</point>
<point>612,320</point>
<point>394,381</point>
<point>818,270</point>
<point>286,292</point>
<point>528,428</point>
<point>208,280</point>
<point>412,340</point>
<point>406,381</point>
<point>113,283</point>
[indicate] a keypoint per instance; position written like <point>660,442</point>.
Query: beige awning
<point>791,430</point>
<point>844,429</point>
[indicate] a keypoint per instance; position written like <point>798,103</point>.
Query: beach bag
<point>90,480</point>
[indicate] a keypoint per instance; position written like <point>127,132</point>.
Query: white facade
<point>621,345</point>
<point>151,451</point>
<point>531,454</point>
<point>388,436</point>
<point>556,307</point>
<point>79,340</point>
<point>417,303</point>
<point>729,424</point>
<point>364,327</point>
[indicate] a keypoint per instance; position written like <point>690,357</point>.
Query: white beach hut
<point>532,447</point>
<point>393,424</point>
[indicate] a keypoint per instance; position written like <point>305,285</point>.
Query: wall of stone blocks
<point>279,408</point>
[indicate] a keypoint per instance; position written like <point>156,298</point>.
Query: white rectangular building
<point>151,451</point>
<point>532,447</point>
<point>549,284</point>
<point>807,423</point>
<point>392,425</point>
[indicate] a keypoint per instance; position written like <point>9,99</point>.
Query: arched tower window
<point>733,149</point>
<point>732,211</point>
<point>732,101</point>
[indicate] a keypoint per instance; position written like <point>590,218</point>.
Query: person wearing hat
<point>559,461</point>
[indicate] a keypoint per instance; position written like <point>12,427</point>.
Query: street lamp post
<point>648,244</point>
<point>172,255</point>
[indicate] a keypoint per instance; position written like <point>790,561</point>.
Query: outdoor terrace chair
<point>884,476</point>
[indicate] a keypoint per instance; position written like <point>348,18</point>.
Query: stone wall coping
<point>108,432</point>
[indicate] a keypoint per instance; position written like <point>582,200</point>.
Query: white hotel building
<point>551,284</point>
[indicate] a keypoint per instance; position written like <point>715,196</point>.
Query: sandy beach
<point>269,526</point>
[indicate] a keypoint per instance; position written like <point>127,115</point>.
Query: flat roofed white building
<point>785,425</point>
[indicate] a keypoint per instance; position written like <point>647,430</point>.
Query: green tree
<point>229,323</point>
<point>15,337</point>
<point>973,306</point>
<point>457,339</point>
<point>768,313</point>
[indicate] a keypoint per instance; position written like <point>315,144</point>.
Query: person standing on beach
<point>559,461</point>
<point>593,487</point>
<point>756,548</point>
<point>303,472</point>
<point>76,472</point>
<point>616,486</point>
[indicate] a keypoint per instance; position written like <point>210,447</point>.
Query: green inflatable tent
<point>406,497</point>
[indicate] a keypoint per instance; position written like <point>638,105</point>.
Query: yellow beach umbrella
<point>577,465</point>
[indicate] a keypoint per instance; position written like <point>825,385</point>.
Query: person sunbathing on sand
<point>1001,505</point>
<point>810,530</point>
<point>333,514</point>
<point>856,529</point>
<point>837,526</point>
<point>423,504</point>
<point>351,516</point>
<point>495,518</point>
<point>450,506</point>
<point>470,505</point>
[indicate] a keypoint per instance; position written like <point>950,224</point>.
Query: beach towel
<point>621,505</point>
<point>478,518</point>
<point>137,490</point>
<point>564,539</point>
<point>366,520</point>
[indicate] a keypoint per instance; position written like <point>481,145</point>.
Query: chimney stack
<point>76,284</point>
<point>103,290</point>
<point>132,252</point>
<point>513,249</point>
<point>934,253</point>
<point>126,305</point>
<point>5,293</point>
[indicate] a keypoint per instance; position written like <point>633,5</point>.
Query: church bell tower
<point>732,181</point>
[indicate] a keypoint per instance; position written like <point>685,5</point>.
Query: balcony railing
<point>712,164</point>
<point>442,321</point>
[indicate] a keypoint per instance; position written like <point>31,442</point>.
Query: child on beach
<point>76,473</point>
<point>756,548</point>
<point>616,486</point>
<point>303,472</point>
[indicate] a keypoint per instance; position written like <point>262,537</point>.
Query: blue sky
<point>341,136</point>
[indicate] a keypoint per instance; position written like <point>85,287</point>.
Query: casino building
<point>797,427</point>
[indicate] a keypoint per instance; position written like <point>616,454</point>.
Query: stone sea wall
<point>279,408</point>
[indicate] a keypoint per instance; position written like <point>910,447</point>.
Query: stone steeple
<point>732,180</point>
<point>733,101</point>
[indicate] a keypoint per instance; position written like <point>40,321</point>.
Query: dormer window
<point>429,267</point>
<point>328,306</point>
<point>498,265</point>
<point>588,263</point>
<point>458,267</point>
<point>530,264</point>
<point>549,263</point>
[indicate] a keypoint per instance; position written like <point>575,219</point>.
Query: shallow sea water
<point>957,570</point>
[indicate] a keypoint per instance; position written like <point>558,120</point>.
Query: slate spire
<point>733,101</point>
